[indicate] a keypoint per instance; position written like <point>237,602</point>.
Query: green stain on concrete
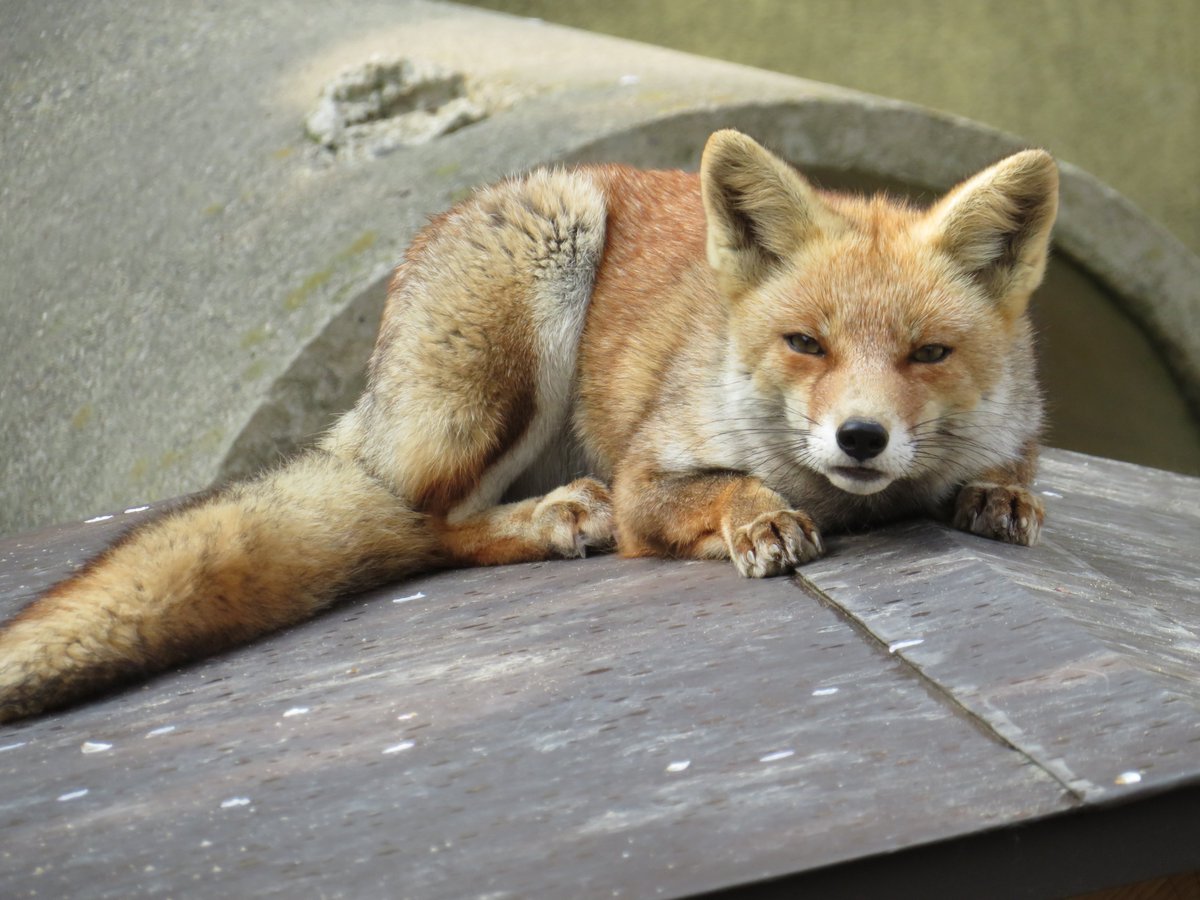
<point>314,282</point>
<point>300,296</point>
<point>211,439</point>
<point>362,244</point>
<point>82,416</point>
<point>254,337</point>
<point>255,370</point>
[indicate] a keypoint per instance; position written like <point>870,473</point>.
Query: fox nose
<point>862,439</point>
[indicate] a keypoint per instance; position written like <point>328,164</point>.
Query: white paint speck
<point>629,80</point>
<point>679,766</point>
<point>95,746</point>
<point>165,729</point>
<point>904,645</point>
<point>824,692</point>
<point>73,795</point>
<point>417,596</point>
<point>777,755</point>
<point>235,801</point>
<point>1052,494</point>
<point>1132,777</point>
<point>97,519</point>
<point>13,746</point>
<point>406,717</point>
<point>403,745</point>
<point>136,509</point>
<point>295,711</point>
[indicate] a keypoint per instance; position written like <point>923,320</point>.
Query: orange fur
<point>748,361</point>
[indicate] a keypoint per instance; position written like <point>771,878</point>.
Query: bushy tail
<point>245,561</point>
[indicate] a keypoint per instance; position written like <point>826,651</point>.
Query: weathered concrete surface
<point>187,278</point>
<point>170,240</point>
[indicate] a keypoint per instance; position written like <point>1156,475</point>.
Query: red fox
<point>717,365</point>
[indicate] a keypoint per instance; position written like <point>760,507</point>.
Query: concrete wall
<point>1112,85</point>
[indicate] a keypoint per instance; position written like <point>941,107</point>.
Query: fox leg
<point>473,377</point>
<point>712,516</point>
<point>1000,505</point>
<point>566,523</point>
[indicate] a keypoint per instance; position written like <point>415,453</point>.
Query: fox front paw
<point>774,544</point>
<point>576,517</point>
<point>1002,512</point>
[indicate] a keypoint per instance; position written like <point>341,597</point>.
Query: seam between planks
<point>936,688</point>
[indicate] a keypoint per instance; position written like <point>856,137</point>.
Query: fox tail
<point>216,572</point>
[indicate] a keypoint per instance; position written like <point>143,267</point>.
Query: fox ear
<point>996,226</point>
<point>758,209</point>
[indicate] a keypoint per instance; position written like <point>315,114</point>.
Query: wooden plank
<point>645,728</point>
<point>30,563</point>
<point>1083,652</point>
<point>638,727</point>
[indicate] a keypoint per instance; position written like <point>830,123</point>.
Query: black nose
<point>862,438</point>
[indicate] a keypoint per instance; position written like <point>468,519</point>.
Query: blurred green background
<point>1110,85</point>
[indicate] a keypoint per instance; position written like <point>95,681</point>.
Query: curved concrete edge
<point>233,273</point>
<point>325,379</point>
<point>1151,272</point>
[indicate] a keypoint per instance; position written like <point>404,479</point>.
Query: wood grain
<point>635,727</point>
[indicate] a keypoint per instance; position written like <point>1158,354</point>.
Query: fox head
<point>893,339</point>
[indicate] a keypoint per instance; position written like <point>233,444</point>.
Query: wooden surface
<point>639,728</point>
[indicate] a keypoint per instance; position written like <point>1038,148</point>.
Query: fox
<point>729,364</point>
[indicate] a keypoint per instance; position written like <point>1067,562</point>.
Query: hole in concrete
<point>384,104</point>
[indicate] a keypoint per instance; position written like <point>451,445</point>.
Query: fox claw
<point>774,544</point>
<point>1008,512</point>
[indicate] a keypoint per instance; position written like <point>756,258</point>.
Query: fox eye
<point>803,343</point>
<point>931,353</point>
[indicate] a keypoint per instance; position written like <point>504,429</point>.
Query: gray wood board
<point>524,731</point>
<point>1083,653</point>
